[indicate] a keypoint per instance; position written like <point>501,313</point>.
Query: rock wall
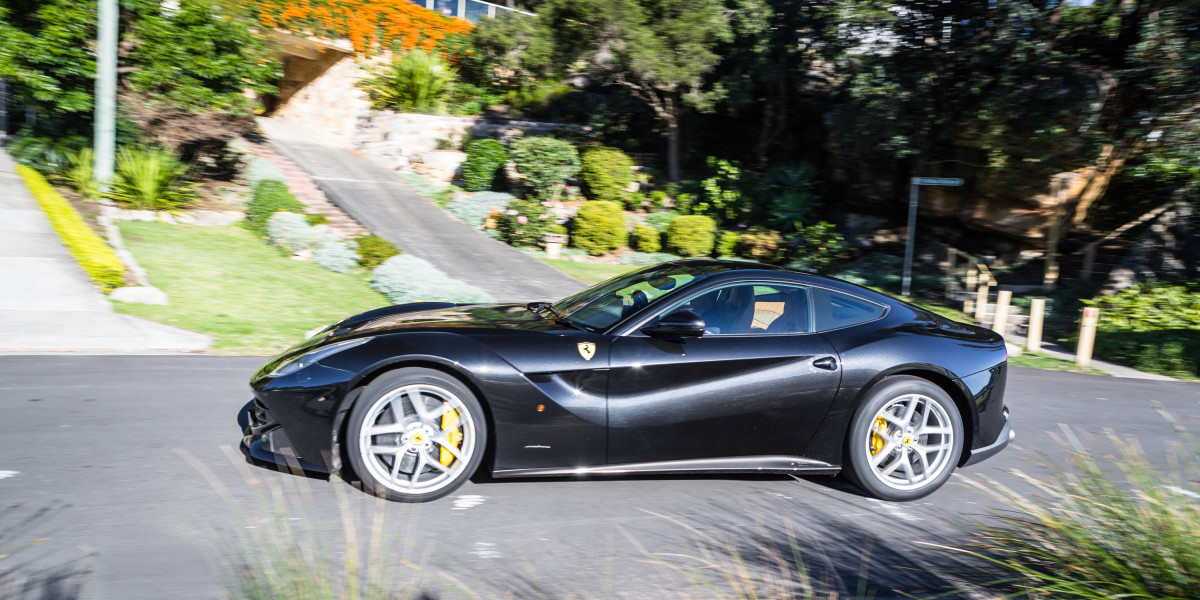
<point>407,141</point>
<point>323,94</point>
<point>1169,249</point>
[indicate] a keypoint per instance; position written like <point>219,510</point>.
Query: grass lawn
<point>225,282</point>
<point>589,273</point>
<point>1050,363</point>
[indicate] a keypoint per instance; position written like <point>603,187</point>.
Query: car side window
<point>752,309</point>
<point>835,310</point>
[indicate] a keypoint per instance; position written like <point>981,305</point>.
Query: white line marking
<point>468,501</point>
<point>7,474</point>
<point>486,550</point>
<point>1169,488</point>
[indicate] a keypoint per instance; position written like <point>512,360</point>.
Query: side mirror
<point>681,323</point>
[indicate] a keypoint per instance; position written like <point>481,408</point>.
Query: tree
<point>657,50</point>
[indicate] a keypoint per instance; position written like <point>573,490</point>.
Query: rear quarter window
<point>835,310</point>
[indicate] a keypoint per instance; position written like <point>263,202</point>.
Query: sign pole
<point>917,182</point>
<point>104,144</point>
<point>906,286</point>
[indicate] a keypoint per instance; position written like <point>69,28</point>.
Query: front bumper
<point>1006,435</point>
<point>265,441</point>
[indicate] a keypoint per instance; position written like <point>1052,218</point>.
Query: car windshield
<point>603,305</point>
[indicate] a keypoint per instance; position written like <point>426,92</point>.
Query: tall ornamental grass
<point>151,179</point>
<point>1110,526</point>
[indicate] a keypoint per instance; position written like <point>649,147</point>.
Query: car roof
<point>734,270</point>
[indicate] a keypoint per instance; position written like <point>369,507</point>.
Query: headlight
<point>305,360</point>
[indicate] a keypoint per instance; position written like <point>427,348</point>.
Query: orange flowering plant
<point>372,26</point>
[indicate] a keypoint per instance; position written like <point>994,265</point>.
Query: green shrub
<point>316,219</point>
<point>820,246</point>
<point>538,99</point>
<point>544,162</point>
<point>722,192</point>
<point>599,227</point>
<point>374,250</point>
<point>646,258</point>
<point>1151,326</point>
<point>94,256</point>
<point>727,244</point>
<point>791,191</point>
<point>469,100</point>
<point>661,220</point>
<point>1098,531</point>
<point>80,174</point>
<point>150,179</point>
<point>606,174</point>
<point>416,81</point>
<point>762,245</point>
<point>657,199</point>
<point>485,160</point>
<point>268,198</point>
<point>646,238</point>
<point>523,222</point>
<point>691,235</point>
<point>45,154</point>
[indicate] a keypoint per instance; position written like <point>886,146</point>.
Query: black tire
<point>901,443</point>
<point>388,388</point>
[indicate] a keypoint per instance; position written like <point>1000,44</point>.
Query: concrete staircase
<point>302,186</point>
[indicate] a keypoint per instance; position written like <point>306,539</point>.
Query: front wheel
<point>415,435</point>
<point>905,440</point>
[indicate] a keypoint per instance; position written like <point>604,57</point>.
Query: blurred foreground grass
<point>250,297</point>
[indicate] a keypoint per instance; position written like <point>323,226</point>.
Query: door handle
<point>828,363</point>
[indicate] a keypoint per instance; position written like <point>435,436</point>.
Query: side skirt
<point>737,464</point>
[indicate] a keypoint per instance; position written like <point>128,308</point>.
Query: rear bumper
<point>265,441</point>
<point>1006,435</point>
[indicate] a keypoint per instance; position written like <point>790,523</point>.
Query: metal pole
<point>105,142</point>
<point>906,286</point>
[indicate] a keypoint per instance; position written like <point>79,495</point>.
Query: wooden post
<point>968,302</point>
<point>1089,261</point>
<point>981,298</point>
<point>1000,319</point>
<point>1087,336</point>
<point>1037,309</point>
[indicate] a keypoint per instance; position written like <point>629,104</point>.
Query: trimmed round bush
<point>373,250</point>
<point>606,174</point>
<point>268,198</point>
<point>292,233</point>
<point>485,159</point>
<point>727,244</point>
<point>523,222</point>
<point>599,227</point>
<point>406,278</point>
<point>691,235</point>
<point>544,162</point>
<point>646,238</point>
<point>337,256</point>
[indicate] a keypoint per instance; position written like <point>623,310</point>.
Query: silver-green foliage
<point>292,233</point>
<point>337,256</point>
<point>474,209</point>
<point>406,278</point>
<point>260,169</point>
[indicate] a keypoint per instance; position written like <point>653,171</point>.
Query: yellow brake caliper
<point>450,421</point>
<point>877,442</point>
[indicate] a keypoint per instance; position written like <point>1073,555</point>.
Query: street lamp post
<point>104,144</point>
<point>910,243</point>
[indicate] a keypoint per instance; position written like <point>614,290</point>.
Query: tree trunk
<point>671,116</point>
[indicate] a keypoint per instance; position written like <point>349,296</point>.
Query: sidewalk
<point>47,304</point>
<point>1056,351</point>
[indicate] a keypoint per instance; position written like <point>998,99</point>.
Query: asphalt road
<point>127,468</point>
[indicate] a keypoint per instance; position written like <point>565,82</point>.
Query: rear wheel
<point>415,435</point>
<point>905,440</point>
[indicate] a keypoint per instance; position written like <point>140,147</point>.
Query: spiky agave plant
<point>80,173</point>
<point>150,179</point>
<point>417,81</point>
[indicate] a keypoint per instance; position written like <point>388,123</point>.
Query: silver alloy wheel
<point>405,436</point>
<point>909,442</point>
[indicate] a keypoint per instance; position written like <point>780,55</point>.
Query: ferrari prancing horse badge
<point>587,350</point>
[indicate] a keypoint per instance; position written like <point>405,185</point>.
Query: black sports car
<point>698,366</point>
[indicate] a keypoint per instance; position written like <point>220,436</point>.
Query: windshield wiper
<point>534,307</point>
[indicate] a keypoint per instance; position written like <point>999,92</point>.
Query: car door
<point>756,383</point>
